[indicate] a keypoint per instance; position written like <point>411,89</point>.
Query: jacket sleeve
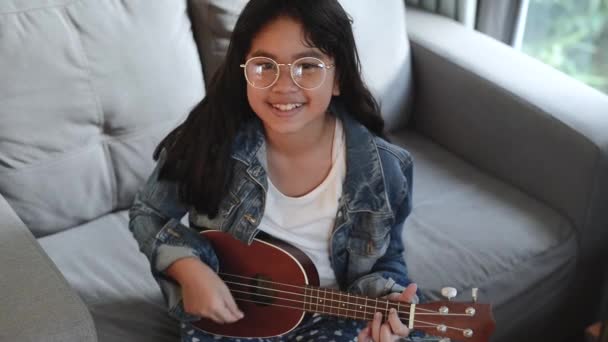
<point>154,220</point>
<point>389,273</point>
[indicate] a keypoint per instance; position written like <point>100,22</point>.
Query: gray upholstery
<point>511,166</point>
<point>385,55</point>
<point>515,118</point>
<point>532,128</point>
<point>469,229</point>
<point>37,302</point>
<point>88,88</point>
<point>84,99</point>
<point>113,278</point>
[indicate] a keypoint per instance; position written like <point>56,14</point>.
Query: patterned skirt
<point>315,328</point>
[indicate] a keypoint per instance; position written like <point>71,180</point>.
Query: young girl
<point>288,141</point>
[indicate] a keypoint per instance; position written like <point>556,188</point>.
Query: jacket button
<point>250,218</point>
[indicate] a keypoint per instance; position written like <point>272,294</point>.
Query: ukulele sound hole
<point>263,294</point>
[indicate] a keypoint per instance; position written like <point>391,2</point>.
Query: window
<point>570,35</point>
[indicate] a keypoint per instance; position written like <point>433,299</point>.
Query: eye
<point>264,66</point>
<point>311,66</point>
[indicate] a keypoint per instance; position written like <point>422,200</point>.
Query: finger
<point>365,334</point>
<point>213,312</point>
<point>226,315</point>
<point>409,293</point>
<point>217,318</point>
<point>233,313</point>
<point>376,326</point>
<point>232,307</point>
<point>396,325</point>
<point>386,333</point>
<point>395,296</point>
<point>230,303</point>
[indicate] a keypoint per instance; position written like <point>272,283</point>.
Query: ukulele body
<point>253,274</point>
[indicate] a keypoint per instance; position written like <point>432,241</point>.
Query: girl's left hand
<point>393,328</point>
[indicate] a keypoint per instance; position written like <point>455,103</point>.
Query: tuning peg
<point>474,294</point>
<point>449,292</point>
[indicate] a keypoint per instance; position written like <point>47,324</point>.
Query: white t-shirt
<point>306,222</point>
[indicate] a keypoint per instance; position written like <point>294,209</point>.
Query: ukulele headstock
<point>470,322</point>
<point>455,321</point>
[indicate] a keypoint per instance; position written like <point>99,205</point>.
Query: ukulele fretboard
<point>341,304</point>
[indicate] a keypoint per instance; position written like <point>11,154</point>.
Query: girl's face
<point>284,107</point>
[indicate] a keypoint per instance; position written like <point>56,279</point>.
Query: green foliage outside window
<point>572,36</point>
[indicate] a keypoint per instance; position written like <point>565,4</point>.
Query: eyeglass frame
<point>290,65</point>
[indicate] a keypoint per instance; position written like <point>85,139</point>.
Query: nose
<point>284,83</point>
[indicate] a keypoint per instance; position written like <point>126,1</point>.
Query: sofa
<point>510,175</point>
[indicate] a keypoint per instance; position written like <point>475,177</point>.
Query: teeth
<point>287,107</point>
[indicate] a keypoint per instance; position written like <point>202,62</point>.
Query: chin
<point>284,127</point>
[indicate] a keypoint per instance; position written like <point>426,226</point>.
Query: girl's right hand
<point>204,293</point>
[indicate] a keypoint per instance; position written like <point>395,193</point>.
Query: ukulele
<point>276,285</point>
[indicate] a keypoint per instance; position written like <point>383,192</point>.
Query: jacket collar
<point>364,187</point>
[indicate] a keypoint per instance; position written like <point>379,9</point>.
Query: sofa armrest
<point>516,118</point>
<point>37,302</point>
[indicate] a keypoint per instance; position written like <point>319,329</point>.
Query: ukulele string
<point>430,324</point>
<point>304,288</point>
<point>296,307</point>
<point>329,307</point>
<point>365,313</point>
<point>311,304</point>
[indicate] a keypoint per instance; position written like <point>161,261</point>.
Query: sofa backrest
<point>87,90</point>
<point>380,33</point>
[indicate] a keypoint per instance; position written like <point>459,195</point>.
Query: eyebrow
<point>307,53</point>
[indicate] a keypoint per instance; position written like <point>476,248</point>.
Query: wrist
<point>184,268</point>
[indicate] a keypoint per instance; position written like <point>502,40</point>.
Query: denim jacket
<point>366,248</point>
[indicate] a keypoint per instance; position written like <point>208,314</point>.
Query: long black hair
<point>199,150</point>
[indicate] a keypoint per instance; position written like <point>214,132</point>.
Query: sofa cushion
<point>385,55</point>
<point>468,229</point>
<point>88,88</point>
<point>212,23</point>
<point>102,262</point>
<point>380,33</point>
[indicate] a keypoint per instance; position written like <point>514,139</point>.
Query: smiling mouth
<point>286,107</point>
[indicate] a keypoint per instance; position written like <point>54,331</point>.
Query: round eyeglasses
<point>307,72</point>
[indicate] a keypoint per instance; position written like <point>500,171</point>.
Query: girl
<point>288,141</point>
